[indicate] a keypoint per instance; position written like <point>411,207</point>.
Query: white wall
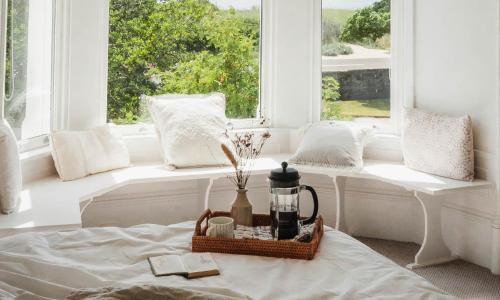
<point>456,64</point>
<point>457,73</point>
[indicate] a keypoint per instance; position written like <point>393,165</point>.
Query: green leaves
<point>330,108</point>
<point>368,23</point>
<point>180,46</point>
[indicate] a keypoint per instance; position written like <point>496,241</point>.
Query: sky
<point>247,4</point>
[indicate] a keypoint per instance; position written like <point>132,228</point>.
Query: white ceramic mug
<point>221,227</point>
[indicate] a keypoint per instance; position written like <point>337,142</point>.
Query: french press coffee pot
<point>285,201</point>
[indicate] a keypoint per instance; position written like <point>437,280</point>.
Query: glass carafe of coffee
<point>285,202</point>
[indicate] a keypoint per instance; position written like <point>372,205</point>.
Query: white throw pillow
<point>10,169</point>
<point>330,144</point>
<point>80,153</point>
<point>191,128</point>
<point>438,144</point>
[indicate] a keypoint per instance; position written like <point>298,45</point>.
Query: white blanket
<point>52,265</point>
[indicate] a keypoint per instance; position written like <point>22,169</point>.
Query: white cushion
<point>10,169</point>
<point>191,128</point>
<point>438,144</point>
<point>80,153</point>
<point>332,144</point>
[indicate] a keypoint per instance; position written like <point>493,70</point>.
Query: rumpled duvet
<point>93,261</point>
<point>155,292</point>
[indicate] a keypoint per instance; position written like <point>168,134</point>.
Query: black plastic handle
<point>315,200</point>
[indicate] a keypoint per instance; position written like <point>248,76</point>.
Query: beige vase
<point>241,209</point>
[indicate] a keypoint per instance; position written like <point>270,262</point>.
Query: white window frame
<point>402,66</point>
<point>402,61</point>
<point>61,95</point>
<point>36,142</point>
<point>263,116</point>
<point>3,44</point>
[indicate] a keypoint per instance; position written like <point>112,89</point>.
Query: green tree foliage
<point>368,23</point>
<point>16,66</point>
<point>330,108</point>
<point>180,46</point>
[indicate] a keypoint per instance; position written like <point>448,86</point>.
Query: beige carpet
<point>458,278</point>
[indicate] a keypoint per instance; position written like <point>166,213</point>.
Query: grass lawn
<point>363,108</point>
<point>336,15</point>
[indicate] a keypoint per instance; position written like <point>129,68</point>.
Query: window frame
<point>401,64</point>
<point>40,141</point>
<point>263,116</point>
<point>3,45</point>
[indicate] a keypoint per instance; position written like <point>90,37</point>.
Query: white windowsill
<point>148,128</point>
<point>35,153</point>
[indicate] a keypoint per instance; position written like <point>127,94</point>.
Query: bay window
<point>367,61</point>
<point>109,53</point>
<point>356,46</point>
<point>28,69</point>
<point>187,46</point>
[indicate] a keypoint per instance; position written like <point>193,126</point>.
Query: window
<point>28,75</point>
<point>356,60</point>
<point>183,46</point>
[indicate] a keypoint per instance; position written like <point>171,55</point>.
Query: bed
<point>52,265</point>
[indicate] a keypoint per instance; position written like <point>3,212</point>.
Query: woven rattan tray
<point>282,248</point>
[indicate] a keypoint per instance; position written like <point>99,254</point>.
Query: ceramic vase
<point>241,209</point>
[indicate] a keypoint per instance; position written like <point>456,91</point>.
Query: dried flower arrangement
<point>245,150</point>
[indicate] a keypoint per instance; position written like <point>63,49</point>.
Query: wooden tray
<point>282,248</point>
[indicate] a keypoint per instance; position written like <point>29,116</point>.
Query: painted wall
<point>456,65</point>
<point>456,73</point>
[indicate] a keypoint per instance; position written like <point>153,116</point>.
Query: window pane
<point>356,60</point>
<point>183,46</point>
<point>28,82</point>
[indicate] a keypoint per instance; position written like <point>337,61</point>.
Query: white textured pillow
<point>78,154</point>
<point>330,144</point>
<point>438,144</point>
<point>10,169</point>
<point>190,128</point>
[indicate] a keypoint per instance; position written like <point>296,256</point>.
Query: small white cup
<point>221,227</point>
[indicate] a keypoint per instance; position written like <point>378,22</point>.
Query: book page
<point>199,264</point>
<point>167,265</point>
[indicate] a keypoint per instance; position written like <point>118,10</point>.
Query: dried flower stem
<point>242,158</point>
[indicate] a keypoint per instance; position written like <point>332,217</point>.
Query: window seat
<point>50,204</point>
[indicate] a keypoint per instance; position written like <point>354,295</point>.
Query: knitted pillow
<point>438,144</point>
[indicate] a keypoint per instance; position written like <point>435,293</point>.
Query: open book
<point>190,265</point>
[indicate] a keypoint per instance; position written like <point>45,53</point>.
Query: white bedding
<point>52,265</point>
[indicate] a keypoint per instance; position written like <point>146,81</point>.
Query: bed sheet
<point>51,265</point>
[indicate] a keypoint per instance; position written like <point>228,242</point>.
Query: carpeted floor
<point>458,278</point>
